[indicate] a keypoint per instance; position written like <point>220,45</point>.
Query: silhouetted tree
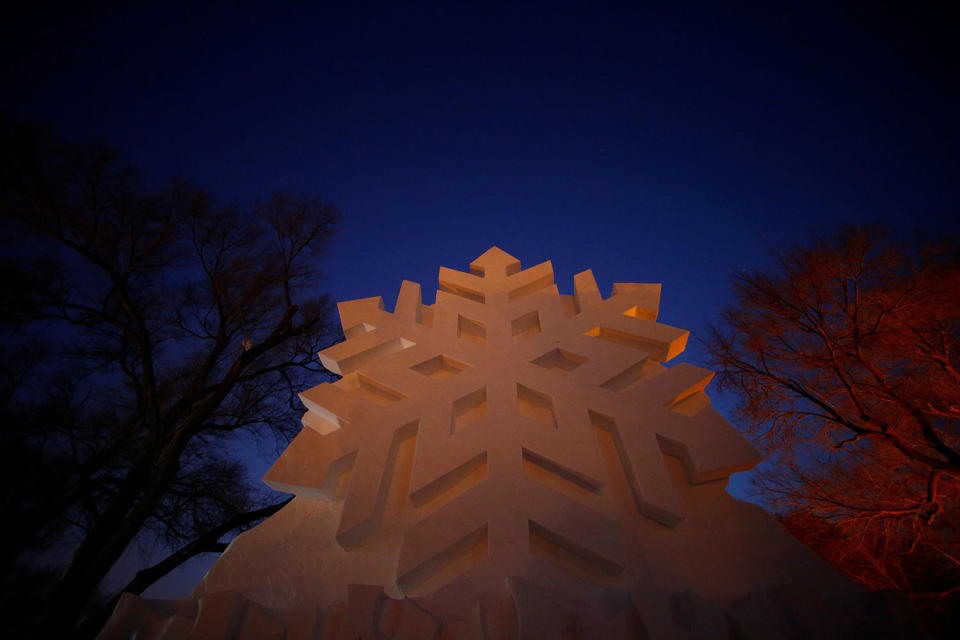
<point>143,332</point>
<point>846,358</point>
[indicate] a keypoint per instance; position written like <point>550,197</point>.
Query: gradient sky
<point>673,145</point>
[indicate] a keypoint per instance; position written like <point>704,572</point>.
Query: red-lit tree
<point>846,358</point>
<point>143,332</point>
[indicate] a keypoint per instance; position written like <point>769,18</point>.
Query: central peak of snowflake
<point>494,262</point>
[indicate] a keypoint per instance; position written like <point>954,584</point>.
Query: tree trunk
<point>93,558</point>
<point>205,543</point>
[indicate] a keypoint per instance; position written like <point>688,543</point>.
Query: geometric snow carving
<point>511,463</point>
<point>503,372</point>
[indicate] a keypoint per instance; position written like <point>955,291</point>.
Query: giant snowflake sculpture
<point>509,463</point>
<point>504,370</point>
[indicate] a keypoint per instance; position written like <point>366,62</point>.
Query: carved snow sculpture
<point>509,462</point>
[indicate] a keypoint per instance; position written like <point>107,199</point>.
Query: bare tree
<point>153,328</point>
<point>845,356</point>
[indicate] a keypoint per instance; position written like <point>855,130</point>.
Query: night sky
<point>672,145</point>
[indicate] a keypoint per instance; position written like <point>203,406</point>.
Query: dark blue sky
<point>670,145</point>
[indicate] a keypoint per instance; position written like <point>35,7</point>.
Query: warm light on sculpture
<point>507,462</point>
